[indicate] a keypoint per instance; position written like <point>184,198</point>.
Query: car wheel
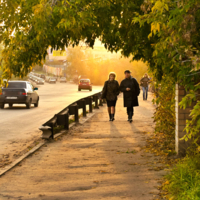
<point>79,89</point>
<point>91,89</point>
<point>10,105</point>
<point>2,106</point>
<point>37,103</point>
<point>28,105</point>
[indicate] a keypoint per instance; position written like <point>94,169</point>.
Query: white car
<point>40,81</point>
<point>63,80</point>
<point>52,80</point>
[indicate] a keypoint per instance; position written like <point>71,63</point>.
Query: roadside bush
<point>164,116</point>
<point>184,179</point>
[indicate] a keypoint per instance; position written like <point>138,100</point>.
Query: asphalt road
<point>19,126</point>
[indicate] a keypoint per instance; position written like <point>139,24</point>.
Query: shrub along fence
<point>62,118</point>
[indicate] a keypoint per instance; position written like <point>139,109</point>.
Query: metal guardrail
<point>62,118</point>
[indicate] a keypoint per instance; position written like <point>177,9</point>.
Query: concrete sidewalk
<point>96,160</point>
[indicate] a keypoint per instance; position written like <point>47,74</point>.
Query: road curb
<point>34,149</point>
<point>13,164</point>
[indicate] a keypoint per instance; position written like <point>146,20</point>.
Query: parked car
<point>84,84</point>
<point>52,80</point>
<point>63,80</point>
<point>42,76</point>
<point>47,78</point>
<point>19,92</point>
<point>40,81</point>
<point>34,78</point>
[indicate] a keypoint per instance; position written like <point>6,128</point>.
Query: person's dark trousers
<point>145,92</point>
<point>130,112</point>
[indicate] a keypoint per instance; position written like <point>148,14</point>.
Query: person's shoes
<point>130,117</point>
<point>112,117</point>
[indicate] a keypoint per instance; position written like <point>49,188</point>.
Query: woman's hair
<point>112,74</point>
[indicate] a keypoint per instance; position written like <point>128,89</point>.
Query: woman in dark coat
<point>131,90</point>
<point>110,93</point>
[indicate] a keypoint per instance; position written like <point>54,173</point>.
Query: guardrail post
<point>46,132</point>
<point>48,127</point>
<point>82,104</point>
<point>63,118</point>
<point>66,126</point>
<point>73,110</point>
<point>96,102</point>
<point>52,127</point>
<point>101,102</point>
<point>90,107</point>
<point>76,114</point>
<point>84,110</point>
<point>89,102</point>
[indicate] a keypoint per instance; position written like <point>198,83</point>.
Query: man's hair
<point>127,71</point>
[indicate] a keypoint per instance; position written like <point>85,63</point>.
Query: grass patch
<point>58,129</point>
<point>183,183</point>
<point>133,152</point>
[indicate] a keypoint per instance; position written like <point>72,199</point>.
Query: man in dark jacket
<point>131,90</point>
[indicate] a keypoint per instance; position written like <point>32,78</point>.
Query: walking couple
<point>131,90</point>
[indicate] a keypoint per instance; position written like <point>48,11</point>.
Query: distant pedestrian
<point>110,93</point>
<point>131,90</point>
<point>145,86</point>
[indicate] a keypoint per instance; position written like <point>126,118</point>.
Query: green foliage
<point>1,65</point>
<point>37,24</point>
<point>193,125</point>
<point>184,180</point>
<point>176,52</point>
<point>165,111</point>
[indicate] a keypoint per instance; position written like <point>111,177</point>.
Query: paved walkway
<point>96,160</point>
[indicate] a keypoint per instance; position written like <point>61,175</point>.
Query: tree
<point>1,64</point>
<point>38,24</point>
